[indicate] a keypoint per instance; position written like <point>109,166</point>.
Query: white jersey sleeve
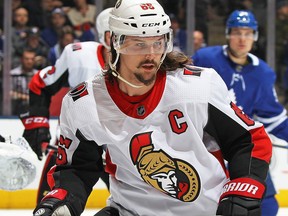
<point>78,62</point>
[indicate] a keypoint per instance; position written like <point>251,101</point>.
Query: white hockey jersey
<point>81,60</point>
<point>165,147</point>
<point>77,63</point>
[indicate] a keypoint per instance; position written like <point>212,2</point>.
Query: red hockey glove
<point>58,202</point>
<point>241,197</point>
<point>36,130</point>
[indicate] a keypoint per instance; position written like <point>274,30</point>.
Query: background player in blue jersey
<point>250,82</point>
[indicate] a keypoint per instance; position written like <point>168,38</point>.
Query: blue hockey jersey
<point>251,87</point>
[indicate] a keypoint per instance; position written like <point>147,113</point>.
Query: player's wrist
<point>32,122</point>
<point>36,117</point>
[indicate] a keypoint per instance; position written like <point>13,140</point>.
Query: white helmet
<point>102,25</point>
<point>139,18</point>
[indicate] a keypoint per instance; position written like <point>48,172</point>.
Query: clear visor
<point>143,45</point>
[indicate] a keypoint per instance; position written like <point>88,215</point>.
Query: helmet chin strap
<point>116,74</point>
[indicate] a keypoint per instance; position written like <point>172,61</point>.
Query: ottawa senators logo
<point>192,71</point>
<point>171,176</point>
<point>76,46</point>
<point>79,91</point>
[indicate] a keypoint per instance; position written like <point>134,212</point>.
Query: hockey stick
<point>277,142</point>
<point>280,146</point>
<point>51,147</point>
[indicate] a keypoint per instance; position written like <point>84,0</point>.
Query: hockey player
<point>78,62</point>
<point>167,127</point>
<point>250,82</point>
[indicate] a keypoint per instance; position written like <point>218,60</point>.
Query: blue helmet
<point>242,19</point>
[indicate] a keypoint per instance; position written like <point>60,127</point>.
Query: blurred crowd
<point>42,28</point>
<point>40,31</point>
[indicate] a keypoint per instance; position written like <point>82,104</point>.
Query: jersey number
<point>64,143</point>
<point>49,71</point>
<point>242,115</point>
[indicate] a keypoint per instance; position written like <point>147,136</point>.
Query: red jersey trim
<point>218,155</point>
<point>50,178</point>
<point>110,167</point>
<point>130,105</point>
<point>56,193</point>
<point>36,84</point>
<point>262,144</point>
<point>100,50</point>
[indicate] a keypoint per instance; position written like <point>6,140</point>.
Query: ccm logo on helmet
<point>150,24</point>
<point>243,187</point>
